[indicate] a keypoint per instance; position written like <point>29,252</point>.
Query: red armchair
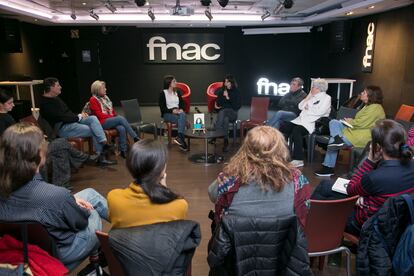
<point>258,114</point>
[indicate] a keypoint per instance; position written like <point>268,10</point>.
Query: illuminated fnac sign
<point>265,87</point>
<point>369,49</point>
<point>183,48</point>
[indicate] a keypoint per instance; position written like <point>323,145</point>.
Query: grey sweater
<point>290,101</point>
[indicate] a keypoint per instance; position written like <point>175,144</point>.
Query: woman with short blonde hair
<point>101,106</point>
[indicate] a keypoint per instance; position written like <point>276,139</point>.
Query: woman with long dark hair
<point>6,105</point>
<point>147,200</point>
<point>227,103</point>
<point>172,109</point>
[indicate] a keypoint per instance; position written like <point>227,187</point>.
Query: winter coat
<point>156,249</point>
<point>259,246</point>
<point>375,250</point>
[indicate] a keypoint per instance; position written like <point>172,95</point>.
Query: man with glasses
<point>288,104</point>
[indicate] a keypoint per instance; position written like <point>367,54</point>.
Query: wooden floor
<point>189,180</point>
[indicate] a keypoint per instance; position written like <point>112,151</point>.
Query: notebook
<point>340,185</point>
<point>346,123</point>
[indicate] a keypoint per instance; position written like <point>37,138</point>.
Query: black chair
<point>313,138</point>
<point>132,114</point>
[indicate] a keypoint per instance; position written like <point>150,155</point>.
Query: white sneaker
<point>297,163</point>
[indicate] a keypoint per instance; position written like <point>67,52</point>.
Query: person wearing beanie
<point>317,104</point>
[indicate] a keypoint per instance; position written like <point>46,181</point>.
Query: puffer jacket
<point>156,249</point>
<point>376,248</point>
<point>259,246</point>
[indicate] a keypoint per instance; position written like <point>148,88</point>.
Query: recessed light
<point>371,7</point>
<point>349,13</point>
<point>84,3</point>
<point>36,20</point>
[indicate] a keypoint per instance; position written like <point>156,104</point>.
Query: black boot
<point>226,145</point>
<point>102,161</point>
<point>123,154</point>
<point>136,139</point>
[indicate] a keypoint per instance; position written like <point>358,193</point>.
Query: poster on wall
<point>369,46</point>
<point>173,48</point>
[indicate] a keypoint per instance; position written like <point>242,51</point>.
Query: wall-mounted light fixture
<point>207,12</point>
<point>265,15</point>
<point>140,3</point>
<point>73,15</point>
<point>110,6</point>
<point>287,4</point>
<point>151,14</point>
<point>276,30</point>
<point>93,15</point>
<point>223,3</point>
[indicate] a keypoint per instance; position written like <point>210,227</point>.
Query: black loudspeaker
<point>339,36</point>
<point>10,41</point>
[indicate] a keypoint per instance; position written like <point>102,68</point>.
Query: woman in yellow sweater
<point>147,200</point>
<point>358,131</point>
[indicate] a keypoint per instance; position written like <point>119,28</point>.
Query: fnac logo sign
<point>368,57</point>
<point>184,48</point>
<point>266,87</point>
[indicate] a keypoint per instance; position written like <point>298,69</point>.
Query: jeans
<point>122,125</point>
<point>86,127</point>
<point>224,117</point>
<point>85,241</point>
<point>179,119</point>
<point>335,129</point>
<point>281,116</point>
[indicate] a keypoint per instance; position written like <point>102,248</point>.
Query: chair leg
<point>169,130</point>
<point>321,263</point>
<point>348,261</point>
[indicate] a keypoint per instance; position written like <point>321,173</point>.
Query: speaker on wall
<point>339,36</point>
<point>10,41</point>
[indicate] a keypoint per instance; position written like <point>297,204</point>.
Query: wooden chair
<point>114,266</point>
<point>258,114</point>
<point>405,113</point>
<point>324,228</point>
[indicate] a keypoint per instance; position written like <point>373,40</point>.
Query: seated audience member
<point>388,172</point>
<point>258,188</point>
<point>260,179</point>
<point>61,156</point>
<point>227,103</point>
<point>172,109</point>
<point>317,104</point>
<point>24,196</point>
<point>68,124</point>
<point>411,137</point>
<point>101,107</point>
<point>359,134</point>
<point>147,200</point>
<point>288,104</point>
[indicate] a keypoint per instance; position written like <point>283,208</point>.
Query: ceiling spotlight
<point>287,4</point>
<point>110,6</point>
<point>140,3</point>
<point>93,15</point>
<point>265,15</point>
<point>349,13</point>
<point>207,12</point>
<point>151,14</point>
<point>73,15</point>
<point>223,3</point>
<point>205,3</point>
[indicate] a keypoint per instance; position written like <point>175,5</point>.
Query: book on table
<point>340,185</point>
<point>346,123</point>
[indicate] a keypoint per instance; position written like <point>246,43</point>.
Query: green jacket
<point>362,124</point>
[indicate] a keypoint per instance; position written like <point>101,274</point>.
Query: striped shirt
<point>390,178</point>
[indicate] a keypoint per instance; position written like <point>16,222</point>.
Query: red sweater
<point>96,109</point>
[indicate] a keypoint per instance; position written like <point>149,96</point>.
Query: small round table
<point>205,157</point>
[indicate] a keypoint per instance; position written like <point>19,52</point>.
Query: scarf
<point>106,104</point>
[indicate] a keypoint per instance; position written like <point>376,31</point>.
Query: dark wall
<point>393,65</point>
<point>117,58</point>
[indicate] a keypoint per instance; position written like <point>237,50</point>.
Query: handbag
<point>322,126</point>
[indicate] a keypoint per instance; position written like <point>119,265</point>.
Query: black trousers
<point>296,133</point>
